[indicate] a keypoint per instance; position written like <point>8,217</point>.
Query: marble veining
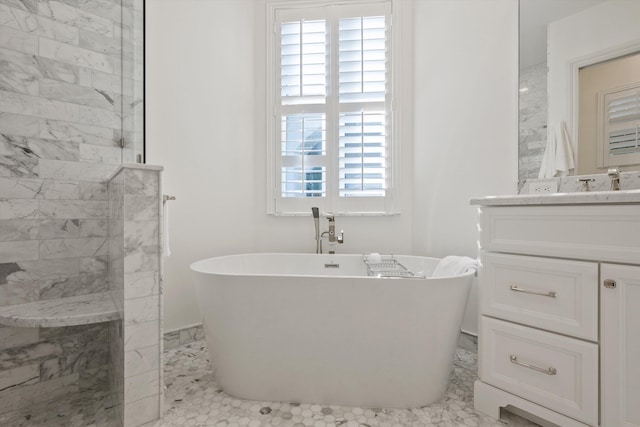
<point>18,229</point>
<point>69,311</point>
<point>33,188</point>
<point>75,93</point>
<point>17,337</point>
<point>175,339</point>
<point>18,70</point>
<point>61,169</point>
<point>64,248</point>
<point>89,407</point>
<point>532,139</point>
<point>82,284</point>
<point>72,228</point>
<point>18,251</point>
<point>78,132</point>
<point>134,282</point>
<point>35,270</point>
<point>62,111</point>
<point>28,5</point>
<point>18,40</point>
<point>39,25</point>
<point>601,182</point>
<point>18,103</point>
<point>62,360</point>
<point>591,197</point>
<point>77,17</point>
<point>18,209</point>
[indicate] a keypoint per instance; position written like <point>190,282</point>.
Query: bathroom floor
<point>193,399</point>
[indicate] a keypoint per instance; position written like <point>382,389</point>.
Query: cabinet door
<point>620,345</point>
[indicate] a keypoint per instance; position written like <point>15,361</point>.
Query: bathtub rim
<point>196,267</point>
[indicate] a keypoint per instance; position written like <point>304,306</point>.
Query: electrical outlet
<point>543,187</point>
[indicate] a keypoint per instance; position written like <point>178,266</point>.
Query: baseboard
<point>473,334</point>
<point>189,334</point>
<point>182,336</point>
<point>468,341</point>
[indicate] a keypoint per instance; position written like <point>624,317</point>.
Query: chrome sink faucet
<point>330,234</point>
<point>614,174</point>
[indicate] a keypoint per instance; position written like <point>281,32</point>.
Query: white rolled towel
<point>455,266</point>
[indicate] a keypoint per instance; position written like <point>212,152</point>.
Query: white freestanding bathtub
<point>315,328</point>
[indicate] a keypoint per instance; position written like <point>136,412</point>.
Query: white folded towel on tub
<point>454,266</point>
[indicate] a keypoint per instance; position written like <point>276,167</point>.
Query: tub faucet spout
<point>329,234</point>
<point>332,231</point>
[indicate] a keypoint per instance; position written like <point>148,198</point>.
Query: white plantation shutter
<point>303,61</point>
<point>620,139</point>
<point>362,89</point>
<point>363,59</point>
<point>362,167</point>
<point>332,107</point>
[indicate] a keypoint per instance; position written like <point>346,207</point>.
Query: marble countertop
<point>68,311</point>
<point>582,198</point>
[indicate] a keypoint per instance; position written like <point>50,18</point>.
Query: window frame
<point>344,206</point>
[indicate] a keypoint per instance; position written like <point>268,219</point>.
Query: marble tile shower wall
<point>134,278</point>
<point>39,365</point>
<point>61,119</point>
<point>116,288</point>
<point>533,122</point>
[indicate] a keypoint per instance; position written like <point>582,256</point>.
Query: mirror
<point>559,39</point>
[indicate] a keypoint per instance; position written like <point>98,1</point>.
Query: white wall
<point>199,126</point>
<point>466,120</point>
<point>204,125</point>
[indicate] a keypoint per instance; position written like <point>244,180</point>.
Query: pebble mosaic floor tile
<point>193,399</point>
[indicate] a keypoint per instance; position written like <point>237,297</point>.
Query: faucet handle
<point>330,217</point>
<point>585,183</point>
<point>340,237</point>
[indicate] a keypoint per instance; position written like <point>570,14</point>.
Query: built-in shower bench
<point>67,311</point>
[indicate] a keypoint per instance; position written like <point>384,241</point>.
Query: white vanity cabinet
<point>559,304</point>
<point>620,345</point>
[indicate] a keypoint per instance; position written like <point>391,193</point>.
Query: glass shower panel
<point>132,100</point>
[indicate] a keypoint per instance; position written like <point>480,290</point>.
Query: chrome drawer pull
<point>551,294</point>
<point>548,371</point>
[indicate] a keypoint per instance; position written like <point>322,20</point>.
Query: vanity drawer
<point>554,371</point>
<point>552,294</point>
<point>596,232</point>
